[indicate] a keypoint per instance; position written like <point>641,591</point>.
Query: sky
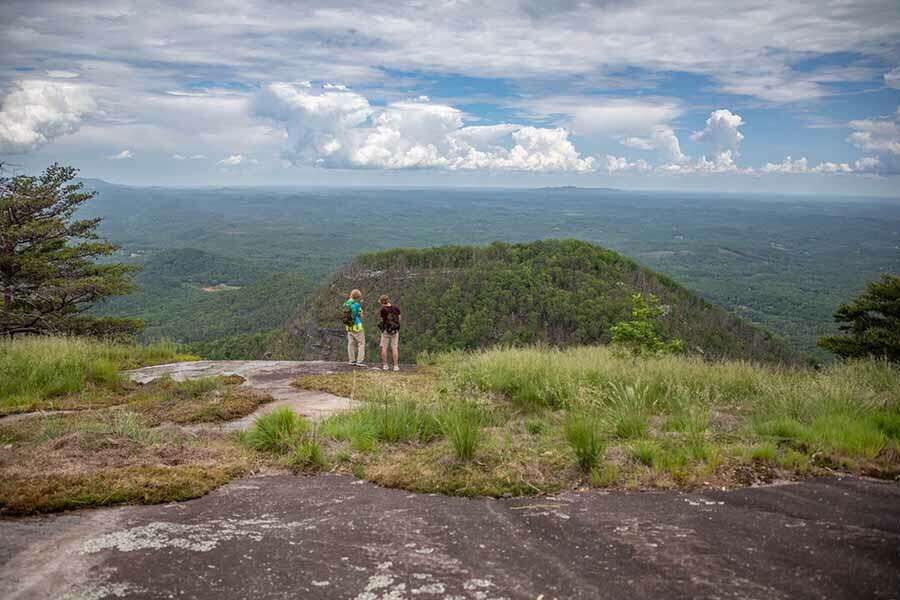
<point>798,97</point>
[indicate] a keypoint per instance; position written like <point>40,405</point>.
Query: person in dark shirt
<point>390,332</point>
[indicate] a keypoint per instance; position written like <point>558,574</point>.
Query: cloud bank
<point>335,127</point>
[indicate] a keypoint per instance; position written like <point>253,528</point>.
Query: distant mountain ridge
<point>557,292</point>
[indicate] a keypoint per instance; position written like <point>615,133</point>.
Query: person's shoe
<point>384,367</point>
<point>359,363</point>
<point>396,367</point>
<point>351,362</point>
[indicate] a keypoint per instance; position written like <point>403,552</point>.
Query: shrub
<point>277,431</point>
<point>640,336</point>
<point>461,423</point>
<point>584,433</point>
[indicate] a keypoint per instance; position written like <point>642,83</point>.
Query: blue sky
<point>761,96</point>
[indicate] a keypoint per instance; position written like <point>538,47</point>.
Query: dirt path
<point>334,537</point>
<point>272,377</point>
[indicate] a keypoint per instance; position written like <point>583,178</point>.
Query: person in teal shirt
<point>356,335</point>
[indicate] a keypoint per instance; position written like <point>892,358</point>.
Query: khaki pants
<point>356,346</point>
<point>390,339</point>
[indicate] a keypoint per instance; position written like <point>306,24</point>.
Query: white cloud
<point>192,157</point>
<point>336,127</point>
<point>618,164</point>
<point>722,132</point>
<point>606,116</point>
<point>661,138</point>
<point>876,135</point>
<point>123,155</point>
<point>879,136</point>
<point>892,78</point>
<point>801,165</point>
<point>178,157</point>
<point>234,160</point>
<point>865,165</point>
<point>35,112</point>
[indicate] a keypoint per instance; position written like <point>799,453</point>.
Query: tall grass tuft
<point>628,408</point>
<point>307,454</point>
<point>584,433</point>
<point>389,416</point>
<point>461,423</point>
<point>278,431</point>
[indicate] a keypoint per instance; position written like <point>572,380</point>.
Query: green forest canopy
<point>558,292</point>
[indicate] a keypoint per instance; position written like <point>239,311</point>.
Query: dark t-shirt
<point>384,315</point>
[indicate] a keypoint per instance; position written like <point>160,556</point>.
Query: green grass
<point>584,433</point>
<point>278,431</point>
<point>36,371</point>
<point>307,454</point>
<point>460,422</point>
<point>765,452</point>
<point>551,418</point>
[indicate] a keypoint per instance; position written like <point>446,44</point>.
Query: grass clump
<point>277,432</point>
<point>584,433</point>
<point>461,423</point>
<point>391,416</point>
<point>628,408</point>
<point>766,452</point>
<point>307,454</point>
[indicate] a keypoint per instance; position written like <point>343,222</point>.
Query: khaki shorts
<point>389,339</point>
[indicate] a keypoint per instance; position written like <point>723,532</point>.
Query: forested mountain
<point>559,292</point>
<point>189,295</point>
<point>785,262</point>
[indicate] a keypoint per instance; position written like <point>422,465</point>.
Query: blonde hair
<point>384,299</point>
<point>356,294</point>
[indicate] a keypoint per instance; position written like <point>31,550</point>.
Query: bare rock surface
<point>272,377</point>
<point>330,536</point>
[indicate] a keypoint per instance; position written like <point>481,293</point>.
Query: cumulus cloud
<point>36,111</point>
<point>123,155</point>
<point>336,127</point>
<point>191,157</point>
<point>892,78</point>
<point>721,129</point>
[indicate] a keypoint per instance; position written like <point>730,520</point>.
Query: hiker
<point>390,332</point>
<point>356,337</point>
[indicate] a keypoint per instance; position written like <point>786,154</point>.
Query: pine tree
<point>48,269</point>
<point>871,323</point>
